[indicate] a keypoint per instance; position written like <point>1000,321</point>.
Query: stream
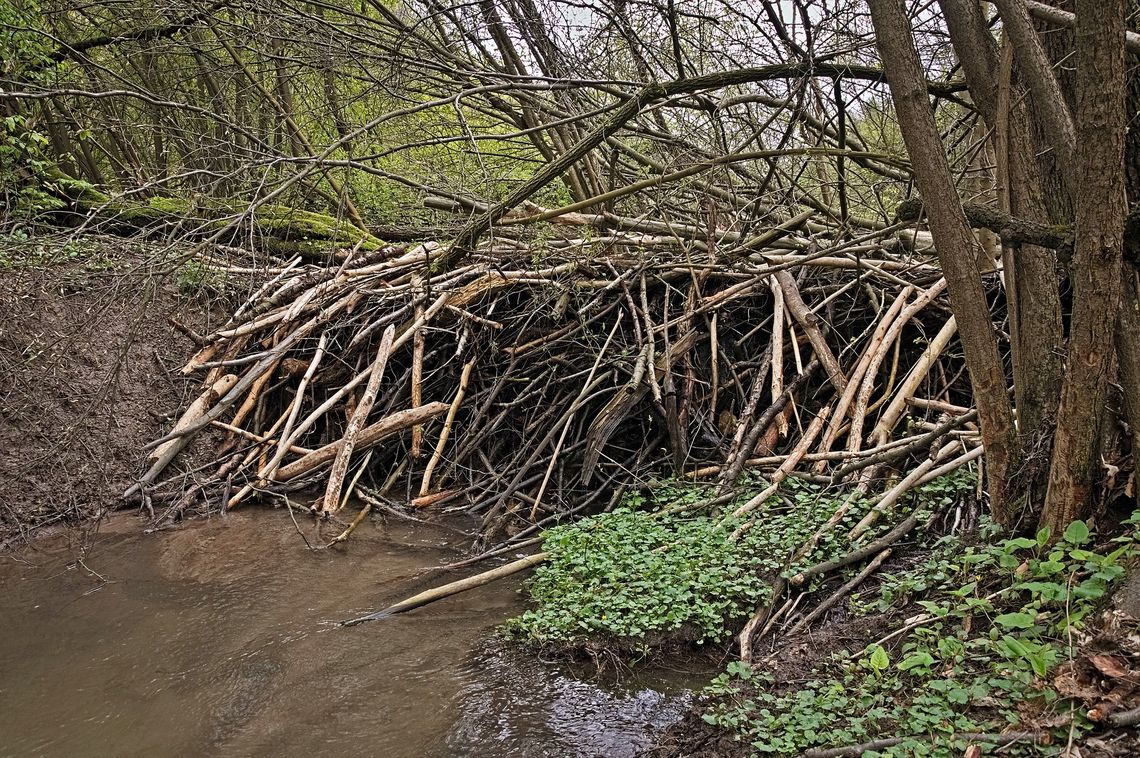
<point>219,638</point>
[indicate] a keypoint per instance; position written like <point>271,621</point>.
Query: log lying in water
<point>451,588</point>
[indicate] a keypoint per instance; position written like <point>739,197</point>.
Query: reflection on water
<point>220,639</point>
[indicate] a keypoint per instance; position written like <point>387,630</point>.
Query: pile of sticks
<point>536,381</point>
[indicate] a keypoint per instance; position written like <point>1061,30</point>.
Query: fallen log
<point>1012,230</point>
<point>278,229</point>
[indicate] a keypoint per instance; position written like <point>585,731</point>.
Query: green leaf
<point>1016,620</point>
<point>1013,647</point>
<point>1077,533</point>
<point>879,660</point>
<point>917,659</point>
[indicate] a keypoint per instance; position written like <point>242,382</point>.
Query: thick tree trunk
<point>1128,354</point>
<point>1128,325</point>
<point>1032,284</point>
<point>955,243</point>
<point>1096,276</point>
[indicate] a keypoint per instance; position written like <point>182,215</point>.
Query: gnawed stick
<point>464,378</point>
<point>331,501</point>
<point>743,424</point>
<point>368,436</point>
<point>888,539</point>
<point>574,409</point>
<point>786,468</point>
<point>181,437</point>
<point>841,593</point>
<point>809,322</point>
<point>776,339</point>
<point>271,358</point>
<point>892,452</point>
<point>284,445</point>
<point>761,614</point>
<point>732,472</point>
<point>949,466</point>
<point>891,497</point>
<point>259,438</point>
<point>917,374</point>
<point>873,353</point>
<point>197,408</point>
<point>417,373</point>
<point>351,527</point>
<point>891,339</point>
<point>451,588</point>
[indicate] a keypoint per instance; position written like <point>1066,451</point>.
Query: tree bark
<point>1128,325</point>
<point>1097,261</point>
<point>954,242</point>
<point>1038,72</point>
<point>1128,354</point>
<point>1032,282</point>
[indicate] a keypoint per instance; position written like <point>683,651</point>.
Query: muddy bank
<point>219,638</point>
<point>87,362</point>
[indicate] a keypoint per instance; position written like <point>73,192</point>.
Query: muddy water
<point>219,639</point>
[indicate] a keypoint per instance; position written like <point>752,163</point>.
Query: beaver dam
<point>795,340</point>
<point>408,428</point>
<point>528,394</point>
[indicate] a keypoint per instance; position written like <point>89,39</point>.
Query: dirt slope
<point>87,371</point>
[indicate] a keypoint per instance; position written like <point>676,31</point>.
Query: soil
<point>692,737</point>
<point>790,660</point>
<point>88,370</point>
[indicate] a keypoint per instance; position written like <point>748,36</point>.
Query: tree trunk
<point>1128,326</point>
<point>1096,275</point>
<point>954,242</point>
<point>1032,285</point>
<point>1038,72</point>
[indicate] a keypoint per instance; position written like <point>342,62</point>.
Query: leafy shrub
<point>629,573</point>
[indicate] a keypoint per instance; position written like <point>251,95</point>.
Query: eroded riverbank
<point>220,638</point>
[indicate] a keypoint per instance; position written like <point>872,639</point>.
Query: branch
<point>1043,12</point>
<point>465,243</point>
<point>68,50</point>
<point>1012,230</point>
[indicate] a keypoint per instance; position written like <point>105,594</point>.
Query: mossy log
<point>1019,231</point>
<point>1012,230</point>
<point>278,229</point>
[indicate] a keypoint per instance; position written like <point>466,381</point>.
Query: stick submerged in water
<point>451,588</point>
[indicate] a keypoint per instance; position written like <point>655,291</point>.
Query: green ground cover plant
<point>995,622</point>
<point>650,571</point>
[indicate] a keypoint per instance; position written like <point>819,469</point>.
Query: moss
<point>283,230</point>
<point>154,210</point>
<point>170,205</point>
<point>291,223</point>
